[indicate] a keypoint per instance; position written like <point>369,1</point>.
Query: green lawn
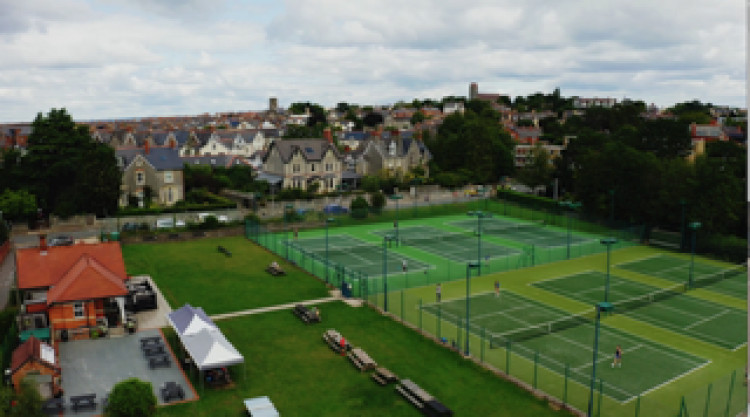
<point>196,272</point>
<point>289,362</point>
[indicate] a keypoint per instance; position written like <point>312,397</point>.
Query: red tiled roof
<point>87,279</point>
<point>30,349</point>
<point>37,270</point>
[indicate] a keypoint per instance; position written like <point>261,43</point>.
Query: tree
<point>28,401</point>
<point>377,200</point>
<point>372,119</point>
<point>17,205</point>
<point>131,398</point>
<point>416,118</point>
<point>67,170</point>
<point>538,171</point>
<point>370,183</point>
<point>359,208</point>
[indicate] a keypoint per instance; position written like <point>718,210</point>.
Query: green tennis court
<point>355,254</point>
<point>459,247</point>
<point>646,365</point>
<point>668,308</point>
<point>528,233</point>
<point>731,281</point>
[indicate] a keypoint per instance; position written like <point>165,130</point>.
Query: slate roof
<point>217,160</point>
<point>162,159</point>
<point>311,149</point>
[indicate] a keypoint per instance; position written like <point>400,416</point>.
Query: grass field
<point>288,360</point>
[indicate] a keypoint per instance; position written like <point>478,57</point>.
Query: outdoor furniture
<point>159,361</point>
<point>333,339</point>
<point>225,251</point>
<point>383,376</point>
<point>275,271</point>
<point>53,406</point>
<point>153,350</point>
<point>150,340</point>
<point>306,314</point>
<point>84,401</point>
<point>217,377</point>
<point>361,359</point>
<point>260,407</point>
<point>170,391</point>
<point>422,400</point>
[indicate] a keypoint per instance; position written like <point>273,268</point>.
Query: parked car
<point>335,209</point>
<point>221,218</point>
<point>62,240</point>
<point>129,227</point>
<point>164,223</point>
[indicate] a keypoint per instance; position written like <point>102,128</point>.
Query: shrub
<point>131,398</point>
<point>359,208</point>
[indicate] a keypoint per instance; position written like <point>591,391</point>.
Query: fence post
<point>420,314</point>
<point>729,397</point>
<point>599,404</point>
<point>565,384</point>
<point>507,356</point>
<point>536,367</point>
<point>708,400</point>
<point>482,351</point>
<point>683,408</point>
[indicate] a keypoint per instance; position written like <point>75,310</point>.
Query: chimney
<point>43,243</point>
<point>327,135</point>
<point>418,132</point>
<point>146,147</point>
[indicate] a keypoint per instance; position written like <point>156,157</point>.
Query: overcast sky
<point>133,58</point>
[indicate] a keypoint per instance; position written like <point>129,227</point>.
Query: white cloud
<point>121,58</point>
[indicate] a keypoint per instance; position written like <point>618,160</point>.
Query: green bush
<point>377,201</point>
<point>131,398</point>
<point>359,208</point>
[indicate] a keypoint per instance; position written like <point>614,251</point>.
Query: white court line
<point>606,358</point>
<point>699,322</point>
<point>669,381</point>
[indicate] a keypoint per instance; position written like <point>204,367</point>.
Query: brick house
<point>36,361</point>
<point>302,162</point>
<point>159,169</point>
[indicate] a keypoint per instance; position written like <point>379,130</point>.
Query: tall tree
<point>538,171</point>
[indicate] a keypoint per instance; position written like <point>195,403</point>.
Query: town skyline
<point>120,59</point>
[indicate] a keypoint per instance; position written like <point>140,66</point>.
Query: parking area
<point>95,366</point>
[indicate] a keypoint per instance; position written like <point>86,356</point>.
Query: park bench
<point>159,361</point>
<point>306,314</point>
<point>333,339</point>
<point>275,271</point>
<point>78,402</point>
<point>361,359</point>
<point>422,399</point>
<point>53,406</point>
<point>170,391</point>
<point>383,376</point>
<point>224,250</point>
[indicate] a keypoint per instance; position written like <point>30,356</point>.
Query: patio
<point>95,366</point>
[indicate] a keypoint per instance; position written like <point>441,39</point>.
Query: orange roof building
<point>36,360</point>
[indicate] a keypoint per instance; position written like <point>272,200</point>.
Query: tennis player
<point>618,357</point>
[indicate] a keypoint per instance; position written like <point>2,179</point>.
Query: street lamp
<point>608,242</point>
<point>469,266</point>
<point>694,226</point>
<point>479,215</point>
<point>396,197</point>
<point>328,220</point>
<point>387,238</point>
<point>600,307</point>
<point>570,207</point>
<point>287,208</point>
<point>682,225</point>
<point>481,190</point>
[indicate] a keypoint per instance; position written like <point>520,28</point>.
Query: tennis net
<point>720,276</point>
<point>500,227</point>
<point>421,240</point>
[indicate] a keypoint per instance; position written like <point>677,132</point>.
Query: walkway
<point>287,306</point>
<point>7,269</point>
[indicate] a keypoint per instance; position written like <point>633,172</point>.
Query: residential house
<point>154,171</point>
<point>35,360</point>
<point>585,103</point>
<point>393,152</point>
<point>303,162</point>
<point>75,287</point>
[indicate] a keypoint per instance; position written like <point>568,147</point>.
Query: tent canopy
<point>203,341</point>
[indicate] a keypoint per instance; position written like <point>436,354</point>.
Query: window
<point>312,167</point>
<point>330,183</point>
<point>168,177</point>
<point>295,168</point>
<point>329,167</point>
<point>78,311</point>
<point>169,194</point>
<point>140,178</point>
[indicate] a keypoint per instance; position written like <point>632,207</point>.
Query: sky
<point>109,59</point>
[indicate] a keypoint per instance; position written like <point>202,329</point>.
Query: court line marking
<point>699,322</point>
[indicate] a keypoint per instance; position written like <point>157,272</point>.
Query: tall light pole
<point>387,238</point>
<point>600,307</point>
<point>479,215</point>
<point>694,226</point>
<point>328,220</point>
<point>287,209</point>
<point>569,208</point>
<point>469,267</point>
<point>396,197</point>
<point>608,242</point>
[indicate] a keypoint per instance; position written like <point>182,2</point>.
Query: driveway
<point>95,366</point>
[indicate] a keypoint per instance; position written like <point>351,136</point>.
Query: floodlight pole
<point>608,242</point>
<point>694,226</point>
<point>603,306</point>
<point>396,197</point>
<point>682,224</point>
<point>469,267</point>
<point>386,239</point>
<point>287,207</point>
<point>328,220</point>
<point>479,215</point>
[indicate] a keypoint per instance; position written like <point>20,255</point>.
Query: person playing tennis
<point>618,357</point>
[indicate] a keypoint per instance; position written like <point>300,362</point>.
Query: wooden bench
<point>306,314</point>
<point>333,339</point>
<point>422,399</point>
<point>383,376</point>
<point>53,406</point>
<point>159,361</point>
<point>170,391</point>
<point>225,251</point>
<point>277,272</point>
<point>78,402</point>
<point>361,359</point>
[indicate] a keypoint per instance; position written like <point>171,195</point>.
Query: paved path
<point>7,270</point>
<point>287,306</point>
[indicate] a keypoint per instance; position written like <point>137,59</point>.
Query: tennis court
<point>729,281</point>
<point>355,254</point>
<point>669,308</point>
<point>459,247</point>
<point>532,328</point>
<point>529,233</point>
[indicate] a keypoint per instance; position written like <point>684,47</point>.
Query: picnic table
<point>153,350</point>
<point>159,361</point>
<point>260,407</point>
<point>150,340</point>
<point>53,406</point>
<point>171,390</point>
<point>78,402</point>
